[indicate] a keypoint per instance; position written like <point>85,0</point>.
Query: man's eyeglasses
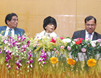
<point>90,25</point>
<point>14,20</point>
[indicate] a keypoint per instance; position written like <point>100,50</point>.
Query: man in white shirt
<point>11,29</point>
<point>89,32</point>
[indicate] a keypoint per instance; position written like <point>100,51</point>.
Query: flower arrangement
<point>86,52</point>
<point>39,54</point>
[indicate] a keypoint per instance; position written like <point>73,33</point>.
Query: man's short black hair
<point>49,20</point>
<point>9,17</point>
<point>89,18</point>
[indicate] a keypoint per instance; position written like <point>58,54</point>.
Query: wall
<point>69,14</point>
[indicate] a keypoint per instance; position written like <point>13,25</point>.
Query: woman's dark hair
<point>9,17</point>
<point>89,18</point>
<point>49,20</point>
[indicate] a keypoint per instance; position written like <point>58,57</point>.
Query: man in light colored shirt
<point>89,32</point>
<point>12,21</point>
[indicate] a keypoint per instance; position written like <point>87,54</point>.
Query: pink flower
<point>57,51</point>
<point>24,46</point>
<point>61,38</point>
<point>62,47</point>
<point>81,38</point>
<point>0,52</point>
<point>34,45</point>
<point>0,35</point>
<point>17,68</point>
<point>38,45</point>
<point>54,49</point>
<point>68,47</point>
<point>9,67</point>
<point>53,40</point>
<point>99,40</point>
<point>35,42</point>
<point>28,42</point>
<point>5,41</point>
<point>100,44</point>
<point>83,50</point>
<point>44,62</point>
<point>42,51</point>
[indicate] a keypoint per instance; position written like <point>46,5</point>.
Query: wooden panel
<point>69,14</point>
<point>31,14</point>
<point>86,8</point>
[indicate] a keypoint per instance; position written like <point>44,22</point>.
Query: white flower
<point>73,42</point>
<point>0,35</point>
<point>4,48</point>
<point>40,37</point>
<point>31,65</point>
<point>7,50</point>
<point>20,64</point>
<point>13,54</point>
<point>94,41</point>
<point>27,70</point>
<point>5,41</point>
<point>75,39</point>
<point>66,40</point>
<point>8,44</point>
<point>28,66</point>
<point>18,43</point>
<point>40,59</point>
<point>93,44</point>
<point>87,39</point>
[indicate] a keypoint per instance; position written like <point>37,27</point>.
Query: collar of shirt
<point>48,34</point>
<point>7,30</point>
<point>86,35</point>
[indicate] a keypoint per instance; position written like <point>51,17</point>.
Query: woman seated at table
<point>49,25</point>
